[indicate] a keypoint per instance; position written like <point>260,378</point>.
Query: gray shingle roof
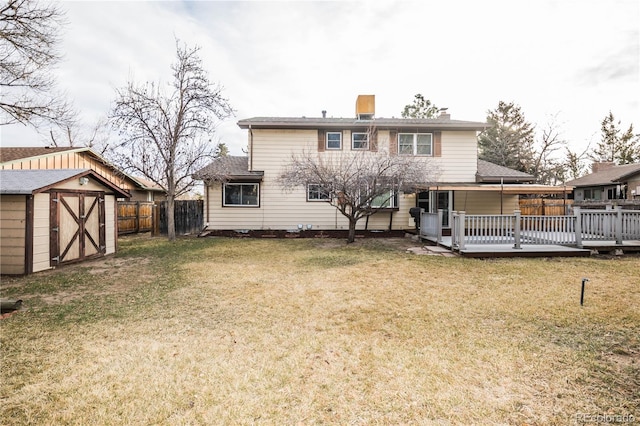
<point>490,172</point>
<point>612,175</point>
<point>25,182</point>
<point>379,123</point>
<point>30,181</point>
<point>228,167</point>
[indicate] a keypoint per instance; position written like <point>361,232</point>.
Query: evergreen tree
<point>420,108</point>
<point>509,141</point>
<point>616,146</point>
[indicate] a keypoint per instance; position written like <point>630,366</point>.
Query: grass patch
<point>246,331</point>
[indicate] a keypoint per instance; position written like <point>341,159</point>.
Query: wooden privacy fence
<point>544,206</point>
<point>135,216</point>
<point>188,216</point>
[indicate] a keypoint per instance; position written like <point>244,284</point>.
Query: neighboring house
<point>49,158</point>
<point>608,182</point>
<point>242,193</point>
<point>52,217</point>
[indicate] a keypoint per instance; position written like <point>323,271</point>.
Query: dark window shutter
<point>393,142</point>
<point>321,141</point>
<point>437,144</point>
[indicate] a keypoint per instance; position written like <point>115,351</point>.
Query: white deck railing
<point>584,225</point>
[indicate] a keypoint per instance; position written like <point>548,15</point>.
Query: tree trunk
<point>171,222</point>
<point>352,231</point>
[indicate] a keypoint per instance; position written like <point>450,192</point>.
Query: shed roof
<point>354,123</point>
<point>27,182</point>
<point>17,154</point>
<point>609,176</point>
<point>228,167</point>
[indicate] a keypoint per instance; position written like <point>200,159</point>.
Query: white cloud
<point>576,58</point>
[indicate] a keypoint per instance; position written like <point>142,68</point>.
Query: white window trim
<point>415,144</point>
<point>315,200</point>
<point>224,195</point>
<point>326,143</point>
<point>353,134</point>
<point>392,201</point>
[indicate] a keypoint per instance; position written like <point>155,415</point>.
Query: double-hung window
<point>415,144</point>
<point>315,192</point>
<point>360,141</point>
<point>241,195</point>
<point>334,140</point>
<point>384,201</point>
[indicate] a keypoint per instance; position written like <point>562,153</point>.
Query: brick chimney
<point>602,165</point>
<point>444,115</point>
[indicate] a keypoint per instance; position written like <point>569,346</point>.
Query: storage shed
<point>53,217</point>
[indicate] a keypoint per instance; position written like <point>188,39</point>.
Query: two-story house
<point>243,193</point>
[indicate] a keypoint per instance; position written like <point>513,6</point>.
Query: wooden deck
<point>609,231</point>
<point>507,250</point>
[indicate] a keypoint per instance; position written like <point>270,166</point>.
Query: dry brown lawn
<point>240,331</point>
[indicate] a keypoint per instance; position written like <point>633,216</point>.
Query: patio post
<point>439,231</point>
<point>618,224</point>
<point>461,229</point>
<point>516,230</point>
<point>578,226</point>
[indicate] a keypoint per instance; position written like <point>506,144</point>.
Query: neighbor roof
<point>19,153</point>
<point>27,182</point>
<point>379,123</point>
<point>490,172</point>
<point>228,167</point>
<point>609,176</point>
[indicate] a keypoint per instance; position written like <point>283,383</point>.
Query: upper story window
<point>334,140</point>
<point>241,195</point>
<point>415,144</point>
<point>359,141</point>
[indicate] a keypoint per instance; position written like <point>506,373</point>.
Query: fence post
<point>137,217</point>
<point>516,230</point>
<point>156,219</point>
<point>578,226</point>
<point>461,230</point>
<point>618,225</point>
<point>439,230</point>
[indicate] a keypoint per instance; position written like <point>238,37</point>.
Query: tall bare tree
<point>358,184</point>
<point>29,37</point>
<point>167,136</point>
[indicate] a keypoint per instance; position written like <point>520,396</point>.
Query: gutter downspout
<point>250,148</point>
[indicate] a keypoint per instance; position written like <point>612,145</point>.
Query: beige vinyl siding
<point>459,160</point>
<point>41,230</point>
<point>110,223</point>
<point>484,202</point>
<point>272,149</point>
<point>13,222</point>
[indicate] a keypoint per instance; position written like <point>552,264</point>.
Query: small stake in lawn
<point>584,280</point>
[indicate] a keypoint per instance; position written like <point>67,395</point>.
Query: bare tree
<point>29,36</point>
<point>358,184</point>
<point>167,136</point>
<point>546,165</point>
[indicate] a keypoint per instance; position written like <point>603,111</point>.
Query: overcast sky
<point>573,59</point>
